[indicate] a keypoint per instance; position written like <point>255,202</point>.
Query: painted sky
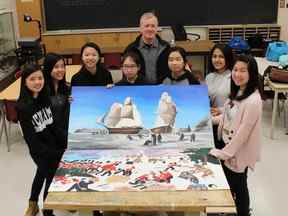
<point>91,102</point>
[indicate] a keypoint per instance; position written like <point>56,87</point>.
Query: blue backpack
<point>238,43</point>
<point>283,61</point>
<point>275,50</point>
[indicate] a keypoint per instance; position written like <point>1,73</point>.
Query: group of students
<point>233,88</point>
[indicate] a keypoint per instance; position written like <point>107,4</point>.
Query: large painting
<point>139,138</point>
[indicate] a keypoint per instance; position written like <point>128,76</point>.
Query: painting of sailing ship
<point>149,116</point>
<point>145,138</point>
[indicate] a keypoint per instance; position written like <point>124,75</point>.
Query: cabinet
<point>8,59</point>
<point>223,34</point>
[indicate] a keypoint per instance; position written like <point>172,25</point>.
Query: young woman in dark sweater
<point>132,72</point>
<point>92,72</point>
<point>59,91</point>
<point>178,75</point>
<point>40,133</point>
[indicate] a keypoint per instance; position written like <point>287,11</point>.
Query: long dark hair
<point>253,82</point>
<point>228,55</point>
<point>25,94</point>
<point>49,62</point>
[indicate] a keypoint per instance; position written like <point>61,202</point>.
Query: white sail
<point>129,116</point>
<point>166,112</point>
<point>112,117</point>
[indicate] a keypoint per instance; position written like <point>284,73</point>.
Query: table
<point>187,201</point>
<point>277,88</point>
<point>198,47</point>
<point>193,48</point>
<point>263,63</point>
<point>70,71</point>
<point>166,198</point>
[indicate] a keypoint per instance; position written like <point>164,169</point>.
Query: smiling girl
<point>40,133</point>
<point>178,75</point>
<point>240,130</point>
<point>92,72</point>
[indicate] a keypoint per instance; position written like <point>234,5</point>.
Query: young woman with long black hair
<point>45,145</point>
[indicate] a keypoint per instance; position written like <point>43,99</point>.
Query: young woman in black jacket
<point>92,72</point>
<point>59,91</point>
<point>45,145</point>
<point>178,74</point>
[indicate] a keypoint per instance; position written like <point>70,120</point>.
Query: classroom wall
<point>60,42</point>
<point>74,41</point>
<point>10,6</point>
<point>283,21</point>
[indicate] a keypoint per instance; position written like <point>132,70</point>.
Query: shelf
<point>224,34</point>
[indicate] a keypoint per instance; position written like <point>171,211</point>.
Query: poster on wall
<point>142,138</point>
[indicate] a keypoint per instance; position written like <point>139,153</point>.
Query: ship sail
<point>130,116</point>
<point>166,112</point>
<point>122,118</point>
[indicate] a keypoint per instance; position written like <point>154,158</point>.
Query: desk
<point>277,88</point>
<point>263,63</point>
<point>187,201</point>
<point>12,91</point>
<point>99,156</point>
<point>198,48</point>
<point>70,71</point>
<point>192,47</point>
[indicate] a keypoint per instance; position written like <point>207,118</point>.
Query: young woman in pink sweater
<point>240,130</point>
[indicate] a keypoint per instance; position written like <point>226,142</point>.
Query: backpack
<point>239,44</point>
<point>256,41</point>
<point>283,61</point>
<point>275,50</point>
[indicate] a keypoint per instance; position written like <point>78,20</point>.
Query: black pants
<point>45,172</point>
<point>239,189</point>
<point>38,183</point>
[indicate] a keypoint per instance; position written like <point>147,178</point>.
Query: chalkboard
<point>99,14</point>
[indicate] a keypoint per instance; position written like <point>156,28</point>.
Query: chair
<point>268,94</point>
<point>180,33</point>
<point>11,117</point>
<point>3,126</point>
<point>9,111</point>
<point>112,60</point>
<point>18,74</point>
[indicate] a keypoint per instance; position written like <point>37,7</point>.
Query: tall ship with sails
<point>122,119</point>
<point>166,114</point>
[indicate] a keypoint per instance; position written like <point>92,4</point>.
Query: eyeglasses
<point>129,66</point>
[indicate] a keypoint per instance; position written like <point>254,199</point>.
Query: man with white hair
<point>151,49</point>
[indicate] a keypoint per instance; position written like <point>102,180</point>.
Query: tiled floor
<point>267,184</point>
